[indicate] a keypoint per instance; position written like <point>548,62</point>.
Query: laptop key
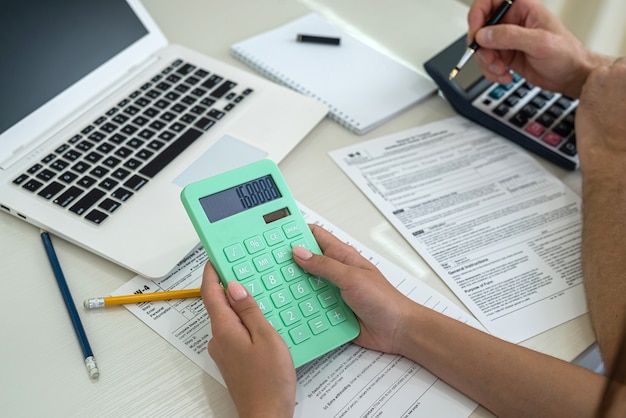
<point>87,201</point>
<point>109,205</point>
<point>50,190</point>
<point>32,185</point>
<point>176,147</point>
<point>121,194</point>
<point>96,216</point>
<point>68,196</point>
<point>135,182</point>
<point>224,88</point>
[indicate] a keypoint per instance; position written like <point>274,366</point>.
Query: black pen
<point>90,361</point>
<point>316,39</point>
<point>473,47</point>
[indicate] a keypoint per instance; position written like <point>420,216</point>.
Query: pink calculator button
<point>552,139</point>
<point>535,129</point>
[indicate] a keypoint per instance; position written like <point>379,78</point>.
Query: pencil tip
<point>454,72</point>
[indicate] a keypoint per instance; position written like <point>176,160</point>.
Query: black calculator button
<point>546,95</point>
<point>546,119</point>
<point>501,110</point>
<point>564,129</point>
<point>511,101</point>
<point>529,110</point>
<point>521,92</point>
<point>519,119</point>
<point>538,102</point>
<point>569,147</point>
<point>570,118</point>
<point>555,111</point>
<point>564,102</point>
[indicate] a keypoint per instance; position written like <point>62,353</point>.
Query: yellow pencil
<point>95,303</point>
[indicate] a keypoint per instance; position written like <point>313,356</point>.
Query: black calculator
<point>539,120</point>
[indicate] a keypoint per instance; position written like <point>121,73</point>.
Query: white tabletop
<point>42,373</point>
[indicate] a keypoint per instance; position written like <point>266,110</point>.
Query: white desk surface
<point>42,372</point>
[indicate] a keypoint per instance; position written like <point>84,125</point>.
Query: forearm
<point>603,249</point>
<point>507,379</point>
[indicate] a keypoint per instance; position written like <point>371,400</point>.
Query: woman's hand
<point>253,359</point>
<point>382,310</point>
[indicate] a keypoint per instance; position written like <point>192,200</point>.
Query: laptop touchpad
<point>226,154</point>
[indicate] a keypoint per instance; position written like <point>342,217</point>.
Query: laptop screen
<point>47,46</point>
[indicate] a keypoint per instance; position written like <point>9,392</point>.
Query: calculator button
<point>519,120</point>
<point>318,325</point>
<point>254,244</point>
<point>497,92</point>
<point>271,280</point>
<point>243,270</point>
<point>535,129</point>
<point>509,86</point>
<point>290,316</point>
<point>234,252</point>
<point>273,237</point>
<point>564,129</point>
<point>547,95</point>
<point>281,298</point>
<point>501,109</point>
<point>564,102</point>
<point>282,254</point>
<point>291,271</point>
<point>300,290</point>
<point>301,243</point>
<point>292,230</point>
<point>275,322</point>
<point>555,111</point>
<point>254,287</point>
<point>264,305</point>
<point>317,282</point>
<point>552,138</point>
<point>299,334</point>
<point>263,262</point>
<point>336,316</point>
<point>511,101</point>
<point>569,148</point>
<point>546,119</point>
<point>538,102</point>
<point>570,118</point>
<point>328,298</point>
<point>521,92</point>
<point>529,110</point>
<point>309,307</point>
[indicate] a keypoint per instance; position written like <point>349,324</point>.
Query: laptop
<point>102,123</point>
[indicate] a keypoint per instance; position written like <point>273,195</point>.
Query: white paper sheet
<point>348,382</point>
<point>501,231</point>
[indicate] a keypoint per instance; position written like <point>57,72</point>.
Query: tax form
<point>350,381</point>
<point>502,232</point>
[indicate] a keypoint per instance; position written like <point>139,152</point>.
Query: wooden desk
<point>42,373</point>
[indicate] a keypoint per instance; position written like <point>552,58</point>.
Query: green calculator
<point>248,222</point>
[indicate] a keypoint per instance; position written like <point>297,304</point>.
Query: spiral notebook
<point>362,87</point>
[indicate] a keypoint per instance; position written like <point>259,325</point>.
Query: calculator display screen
<point>469,75</point>
<point>239,198</point>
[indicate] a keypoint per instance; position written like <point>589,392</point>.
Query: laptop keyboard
<point>101,167</point>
